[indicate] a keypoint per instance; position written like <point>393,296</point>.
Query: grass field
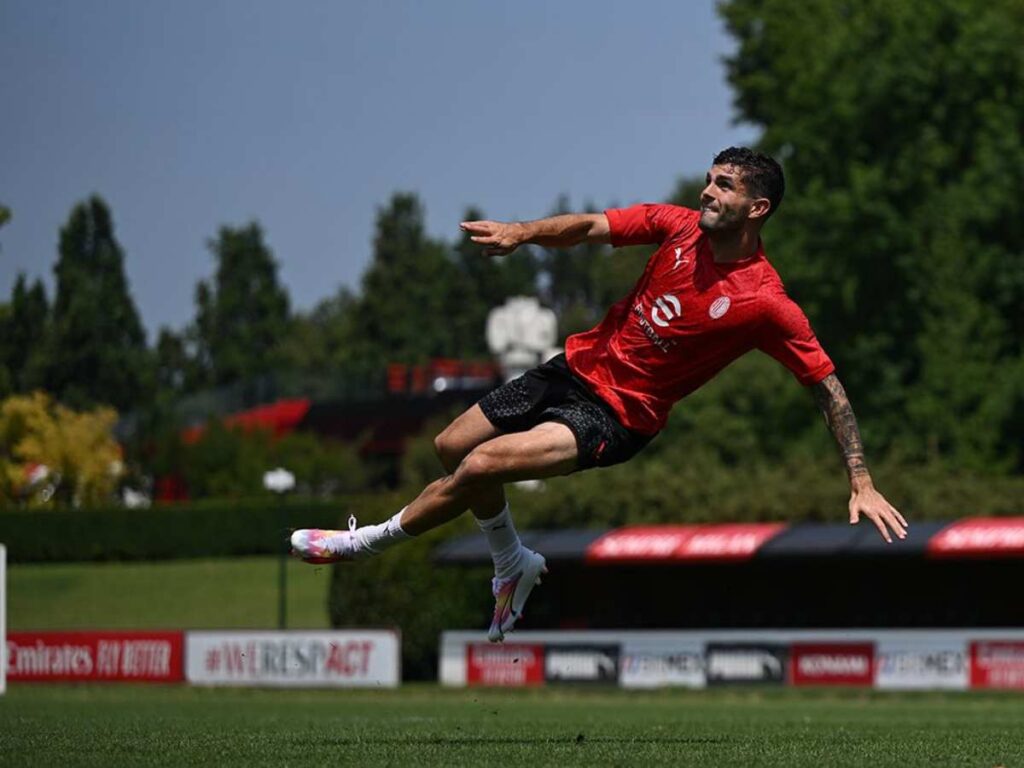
<point>426,726</point>
<point>181,594</point>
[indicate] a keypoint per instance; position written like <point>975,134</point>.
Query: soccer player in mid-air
<point>707,296</point>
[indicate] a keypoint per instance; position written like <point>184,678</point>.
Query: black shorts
<point>552,392</point>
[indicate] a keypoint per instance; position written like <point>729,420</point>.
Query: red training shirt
<point>686,319</point>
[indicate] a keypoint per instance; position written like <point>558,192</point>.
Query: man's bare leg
<point>460,437</point>
<point>547,450</point>
<point>479,459</point>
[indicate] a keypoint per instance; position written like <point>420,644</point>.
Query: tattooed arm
<point>864,499</point>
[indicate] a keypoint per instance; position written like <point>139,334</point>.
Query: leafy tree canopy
<point>901,129</point>
<point>96,347</point>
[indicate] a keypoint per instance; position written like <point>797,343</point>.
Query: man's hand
<point>498,237</point>
<point>563,231</point>
<point>865,500</point>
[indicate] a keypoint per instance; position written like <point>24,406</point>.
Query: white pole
<point>3,619</point>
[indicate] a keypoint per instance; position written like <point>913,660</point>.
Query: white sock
<point>506,548</point>
<point>374,539</point>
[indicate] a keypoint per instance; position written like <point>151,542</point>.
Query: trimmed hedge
<point>224,529</point>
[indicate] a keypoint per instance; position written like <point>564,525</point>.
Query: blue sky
<point>307,116</point>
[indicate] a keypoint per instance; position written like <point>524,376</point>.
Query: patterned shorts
<point>552,392</point>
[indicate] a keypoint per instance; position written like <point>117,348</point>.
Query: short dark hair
<point>761,174</point>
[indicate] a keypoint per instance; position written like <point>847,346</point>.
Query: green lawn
<point>180,594</point>
<point>425,726</point>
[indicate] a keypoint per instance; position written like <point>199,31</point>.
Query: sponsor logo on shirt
<point>652,335</point>
<point>719,307</point>
<point>679,259</point>
<point>666,308</point>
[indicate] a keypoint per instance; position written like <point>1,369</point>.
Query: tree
<point>5,214</point>
<point>74,453</point>
<point>901,128</point>
<point>319,341</point>
<point>96,348</point>
<point>570,279</point>
<point>483,283</point>
<point>242,315</point>
<point>409,301</point>
<point>22,334</point>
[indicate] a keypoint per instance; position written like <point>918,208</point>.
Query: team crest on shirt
<point>719,307</point>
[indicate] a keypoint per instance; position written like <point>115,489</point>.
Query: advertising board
<point>94,657</point>
<point>985,537</point>
<point>339,658</point>
<point>507,664</point>
<point>746,663</point>
<point>997,664</point>
<point>582,664</point>
<point>832,663</point>
<point>3,619</point>
<point>669,543</point>
<point>662,662</point>
<point>922,661</point>
<point>903,659</point>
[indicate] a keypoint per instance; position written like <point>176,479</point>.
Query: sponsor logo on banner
<point>343,658</point>
<point>581,663</point>
<point>980,537</point>
<point>907,664</point>
<point>832,663</point>
<point>508,664</point>
<point>653,668</point>
<point>729,541</point>
<point>997,664</point>
<point>745,663</point>
<point>94,656</point>
<point>734,541</point>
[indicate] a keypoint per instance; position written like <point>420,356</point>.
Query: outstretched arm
<point>500,238</point>
<point>864,499</point>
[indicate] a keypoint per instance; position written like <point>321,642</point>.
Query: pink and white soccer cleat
<point>320,546</point>
<point>510,594</point>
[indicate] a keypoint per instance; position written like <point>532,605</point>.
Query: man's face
<point>724,203</point>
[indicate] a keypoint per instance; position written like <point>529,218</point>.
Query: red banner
<point>666,543</point>
<point>508,664</point>
<point>980,537</point>
<point>997,664</point>
<point>95,656</point>
<point>832,663</point>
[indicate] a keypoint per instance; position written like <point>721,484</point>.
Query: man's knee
<point>479,467</point>
<point>448,450</point>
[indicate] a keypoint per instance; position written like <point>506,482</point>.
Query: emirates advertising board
<point>334,659</point>
<point>73,657</point>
